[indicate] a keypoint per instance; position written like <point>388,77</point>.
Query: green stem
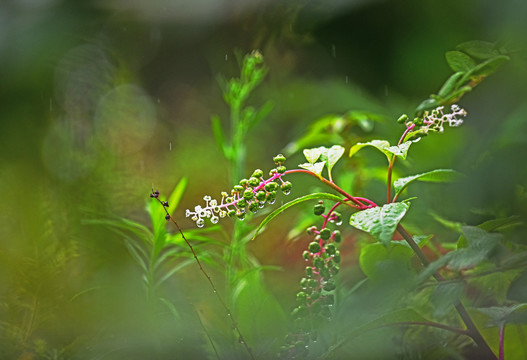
<point>389,180</point>
<point>472,330</point>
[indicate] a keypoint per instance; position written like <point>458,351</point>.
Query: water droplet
<point>338,223</point>
<point>272,201</point>
<point>261,205</point>
<point>287,192</point>
<point>214,219</point>
<point>226,57</point>
<point>200,223</point>
<point>170,146</point>
<point>240,340</point>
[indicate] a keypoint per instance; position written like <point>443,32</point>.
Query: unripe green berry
<point>312,283</point>
<point>330,286</point>
<point>272,172</point>
<point>336,257</point>
<point>253,206</point>
<point>286,187</point>
<point>325,233</point>
<point>261,195</point>
<point>232,213</point>
<point>253,181</point>
<point>304,282</point>
<point>337,237</point>
<point>279,159</point>
<point>314,247</point>
<point>306,254</point>
<point>309,271</point>
<point>281,169</point>
<point>318,262</point>
<point>243,182</point>
<point>242,203</point>
<point>299,311</point>
<point>240,215</point>
<point>315,295</point>
<point>324,272</point>
<point>258,173</point>
<point>271,186</point>
<point>337,217</point>
<point>301,297</point>
<point>402,119</point>
<point>271,196</point>
<point>331,249</point>
<point>319,209</point>
<point>238,188</point>
<point>334,269</point>
<point>248,194</point>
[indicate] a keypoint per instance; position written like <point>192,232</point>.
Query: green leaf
<point>485,68</point>
<point>450,85</point>
<point>219,137</point>
<point>449,224</point>
<point>261,113</point>
<point>427,105</point>
<point>373,255</point>
<point>380,222</point>
<point>177,194</point>
<point>478,49</point>
<point>384,147</point>
<point>333,154</point>
<point>445,296</point>
<point>459,61</point>
<point>316,196</point>
<point>316,168</point>
<point>439,175</point>
<point>516,314</point>
<point>312,155</point>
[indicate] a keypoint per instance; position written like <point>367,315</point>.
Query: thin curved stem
<point>358,201</point>
<point>214,290</point>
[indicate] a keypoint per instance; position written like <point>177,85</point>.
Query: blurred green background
<point>102,100</point>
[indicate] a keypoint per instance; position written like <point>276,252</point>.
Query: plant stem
<point>431,324</point>
<point>389,180</point>
<point>358,201</point>
<point>214,290</point>
<point>472,330</point>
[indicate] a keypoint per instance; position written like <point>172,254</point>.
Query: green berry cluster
<point>316,298</point>
<point>249,195</point>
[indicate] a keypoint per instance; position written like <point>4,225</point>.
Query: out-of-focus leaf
<point>449,224</point>
<point>219,137</point>
<point>516,314</point>
<point>485,68</point>
<point>373,255</point>
<point>459,62</point>
<point>316,196</point>
<point>445,296</point>
<point>380,222</point>
<point>478,49</point>
<point>450,85</point>
<point>427,105</point>
<point>333,154</point>
<point>438,175</point>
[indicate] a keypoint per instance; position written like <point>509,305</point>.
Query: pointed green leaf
<point>333,154</point>
<point>175,197</point>
<point>384,147</point>
<point>439,175</point>
<point>427,105</point>
<point>445,296</point>
<point>219,137</point>
<point>459,61</point>
<point>480,50</point>
<point>312,155</point>
<point>316,196</point>
<point>450,85</point>
<point>380,222</point>
<point>316,168</point>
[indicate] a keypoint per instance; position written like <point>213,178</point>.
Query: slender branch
<point>472,329</point>
<point>389,179</point>
<point>358,201</point>
<point>227,310</point>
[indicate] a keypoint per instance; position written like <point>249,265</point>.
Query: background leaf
<point>439,175</point>
<point>459,61</point>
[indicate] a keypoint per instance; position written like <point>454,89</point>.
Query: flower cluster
<point>437,118</point>
<point>316,297</point>
<point>248,195</point>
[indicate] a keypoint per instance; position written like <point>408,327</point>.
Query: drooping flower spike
<point>249,195</point>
